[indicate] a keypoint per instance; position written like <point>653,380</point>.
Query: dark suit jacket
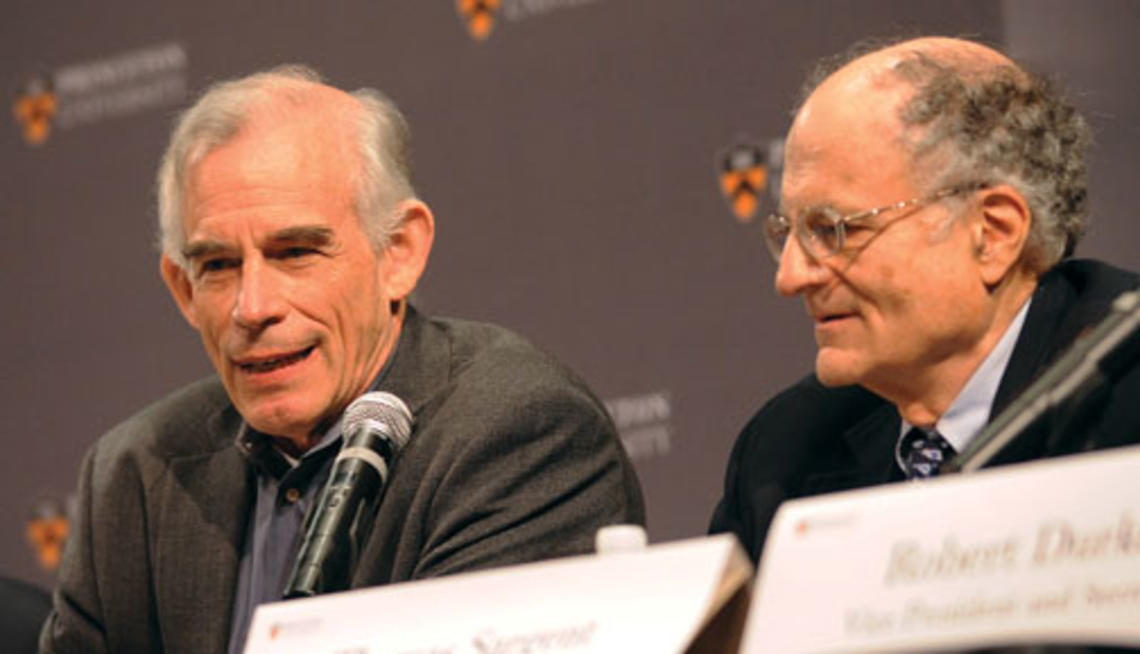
<point>511,459</point>
<point>810,439</point>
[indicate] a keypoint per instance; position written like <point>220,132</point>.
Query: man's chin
<point>276,419</point>
<point>835,368</point>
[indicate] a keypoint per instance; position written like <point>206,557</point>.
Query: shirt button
<point>292,495</point>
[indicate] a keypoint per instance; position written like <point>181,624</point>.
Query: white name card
<point>655,600</point>
<point>1045,552</point>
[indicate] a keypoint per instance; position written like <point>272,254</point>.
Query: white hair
<point>380,181</point>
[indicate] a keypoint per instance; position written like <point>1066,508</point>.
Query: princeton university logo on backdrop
<point>35,109</point>
<point>748,173</point>
<point>644,422</point>
<point>92,91</point>
<point>480,16</point>
<point>46,531</point>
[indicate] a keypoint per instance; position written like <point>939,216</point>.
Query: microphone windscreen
<point>383,408</point>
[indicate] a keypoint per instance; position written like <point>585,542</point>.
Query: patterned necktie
<point>922,453</point>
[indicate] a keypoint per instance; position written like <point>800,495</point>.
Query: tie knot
<point>922,453</point>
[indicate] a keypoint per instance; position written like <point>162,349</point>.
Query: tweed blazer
<point>511,459</point>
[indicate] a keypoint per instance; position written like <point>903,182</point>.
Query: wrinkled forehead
<point>268,168</point>
<point>863,95</point>
<point>848,132</point>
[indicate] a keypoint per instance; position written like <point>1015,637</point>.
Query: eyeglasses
<point>824,232</point>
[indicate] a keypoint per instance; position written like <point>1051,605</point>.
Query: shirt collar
<point>970,410</point>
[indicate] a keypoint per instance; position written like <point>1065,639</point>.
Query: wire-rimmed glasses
<point>824,232</point>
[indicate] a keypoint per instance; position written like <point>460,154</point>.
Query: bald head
<point>878,84</point>
<point>964,114</point>
<point>364,124</point>
<point>960,53</point>
<point>885,55</point>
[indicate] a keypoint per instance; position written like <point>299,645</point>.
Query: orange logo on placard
<point>47,532</point>
<point>34,110</point>
<point>479,15</point>
<point>743,179</point>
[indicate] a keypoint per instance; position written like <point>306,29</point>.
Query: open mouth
<point>275,363</point>
<point>832,317</point>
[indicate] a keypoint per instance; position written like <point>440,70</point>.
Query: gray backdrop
<point>571,158</point>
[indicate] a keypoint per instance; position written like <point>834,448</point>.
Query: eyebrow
<point>315,235</point>
<point>307,234</point>
<point>198,249</point>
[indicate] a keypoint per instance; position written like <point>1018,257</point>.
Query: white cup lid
<point>620,538</point>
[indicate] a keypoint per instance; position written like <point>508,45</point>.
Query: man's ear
<point>406,254</point>
<point>1001,233</point>
<point>178,281</point>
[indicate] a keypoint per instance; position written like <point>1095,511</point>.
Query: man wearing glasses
<point>933,191</point>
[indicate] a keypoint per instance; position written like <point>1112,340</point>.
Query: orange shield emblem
<point>46,532</point>
<point>34,111</point>
<point>743,179</point>
<point>479,16</point>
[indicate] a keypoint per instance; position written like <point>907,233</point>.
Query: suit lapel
<point>868,458</point>
<point>420,367</point>
<point>202,509</point>
<point>1049,325</point>
<point>1037,342</point>
<point>873,441</point>
<point>421,363</point>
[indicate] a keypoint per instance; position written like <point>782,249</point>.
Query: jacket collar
<point>421,363</point>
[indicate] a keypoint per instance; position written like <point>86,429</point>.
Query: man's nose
<point>798,270</point>
<point>259,302</point>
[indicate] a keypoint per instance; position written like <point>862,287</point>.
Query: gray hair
<point>382,139</point>
<point>999,124</point>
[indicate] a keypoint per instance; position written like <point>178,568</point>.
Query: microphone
<point>1091,363</point>
<point>376,426</point>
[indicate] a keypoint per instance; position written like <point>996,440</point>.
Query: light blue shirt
<point>970,410</point>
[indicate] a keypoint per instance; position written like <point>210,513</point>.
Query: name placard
<point>661,599</point>
<point>1044,552</point>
